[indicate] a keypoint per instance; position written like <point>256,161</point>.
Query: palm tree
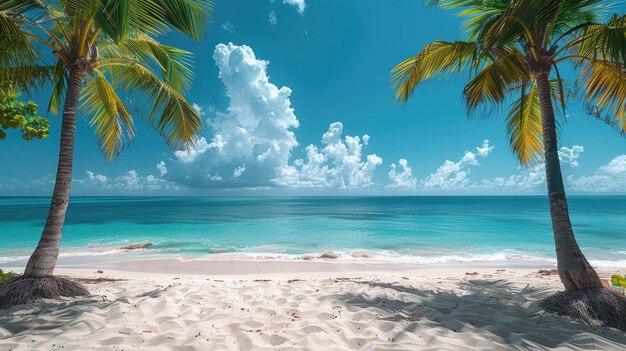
<point>511,54</point>
<point>92,51</point>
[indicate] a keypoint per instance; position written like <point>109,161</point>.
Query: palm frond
<point>170,114</point>
<point>603,42</point>
<point>437,58</point>
<point>25,78</point>
<point>59,81</point>
<point>185,16</point>
<point>527,21</point>
<point>17,49</point>
<point>119,19</point>
<point>490,86</point>
<point>524,127</point>
<point>175,64</point>
<point>605,93</point>
<point>573,15</point>
<point>22,7</point>
<point>82,9</point>
<point>114,18</point>
<point>113,124</point>
<point>478,14</point>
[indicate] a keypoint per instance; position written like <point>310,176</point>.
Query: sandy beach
<point>281,305</point>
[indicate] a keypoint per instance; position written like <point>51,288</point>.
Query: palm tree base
<point>24,289</point>
<point>597,307</point>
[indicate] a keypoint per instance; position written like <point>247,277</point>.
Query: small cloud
<point>485,149</point>
<point>455,175</point>
<point>366,139</point>
<point>272,18</point>
<point>214,177</point>
<point>162,168</point>
<point>237,172</point>
<point>299,4</point>
<point>402,178</point>
<point>571,155</point>
<point>229,27</point>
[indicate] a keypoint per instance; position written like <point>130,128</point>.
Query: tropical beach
<point>341,282</point>
<point>312,175</point>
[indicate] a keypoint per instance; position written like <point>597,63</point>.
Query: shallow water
<point>407,229</point>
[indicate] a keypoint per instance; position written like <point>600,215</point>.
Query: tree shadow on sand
<point>476,314</point>
<point>59,315</point>
<point>483,314</point>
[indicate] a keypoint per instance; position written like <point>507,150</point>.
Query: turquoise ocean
<point>420,230</point>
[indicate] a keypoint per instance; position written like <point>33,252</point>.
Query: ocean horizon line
<point>321,196</point>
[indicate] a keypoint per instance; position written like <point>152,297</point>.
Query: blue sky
<point>273,77</point>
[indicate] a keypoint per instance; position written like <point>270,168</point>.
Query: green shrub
<point>618,280</point>
<point>6,275</point>
<point>15,114</point>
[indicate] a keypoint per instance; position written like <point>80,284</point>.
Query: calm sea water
<point>407,229</point>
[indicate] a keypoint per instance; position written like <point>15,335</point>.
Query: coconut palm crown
<point>512,55</point>
<point>112,45</point>
<point>94,53</point>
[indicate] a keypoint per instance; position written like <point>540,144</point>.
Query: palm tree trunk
<point>44,259</point>
<point>574,269</point>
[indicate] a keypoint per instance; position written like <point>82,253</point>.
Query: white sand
<point>318,307</point>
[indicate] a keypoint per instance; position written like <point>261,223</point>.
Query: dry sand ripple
<point>493,310</point>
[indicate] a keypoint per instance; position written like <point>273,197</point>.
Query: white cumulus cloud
<point>532,178</point>
<point>255,130</point>
<point>617,166</point>
<point>162,168</point>
<point>251,143</point>
<point>403,177</point>
<point>455,175</point>
<point>608,178</point>
<point>299,4</point>
<point>571,155</point>
<point>337,164</point>
<point>194,151</point>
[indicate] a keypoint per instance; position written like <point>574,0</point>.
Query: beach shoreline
<point>241,265</point>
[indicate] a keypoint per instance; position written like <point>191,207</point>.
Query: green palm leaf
<point>112,122</point>
<point>605,42</point>
<point>25,78</point>
<point>186,16</point>
<point>59,83</point>
<point>170,114</point>
<point>605,90</point>
<point>437,58</point>
<point>174,64</point>
<point>524,127</point>
<point>489,87</point>
<point>17,49</point>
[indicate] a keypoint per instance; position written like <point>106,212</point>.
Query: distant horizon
<point>313,196</point>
